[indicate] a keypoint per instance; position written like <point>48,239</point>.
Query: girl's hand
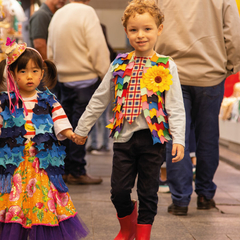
<point>178,150</point>
<point>79,139</point>
<point>68,133</point>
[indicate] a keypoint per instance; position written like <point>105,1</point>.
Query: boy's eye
<point>132,30</point>
<point>148,29</point>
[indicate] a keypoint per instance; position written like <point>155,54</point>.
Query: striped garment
<point>59,118</point>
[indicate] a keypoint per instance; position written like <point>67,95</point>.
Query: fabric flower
<point>2,215</point>
<point>62,217</point>
<point>60,198</point>
<point>32,151</point>
<point>15,214</point>
<point>51,206</point>
<point>31,187</point>
<point>35,165</point>
<point>157,79</point>
<point>16,188</point>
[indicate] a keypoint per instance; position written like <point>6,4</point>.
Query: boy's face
<point>142,33</point>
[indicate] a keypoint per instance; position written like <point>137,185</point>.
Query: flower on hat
<point>157,79</point>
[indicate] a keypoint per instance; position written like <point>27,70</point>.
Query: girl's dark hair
<point>2,79</point>
<point>50,72</point>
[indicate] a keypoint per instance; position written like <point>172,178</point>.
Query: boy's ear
<point>160,28</point>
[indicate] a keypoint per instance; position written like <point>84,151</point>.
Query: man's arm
<point>38,31</point>
<point>231,25</point>
<point>40,44</point>
<point>96,44</point>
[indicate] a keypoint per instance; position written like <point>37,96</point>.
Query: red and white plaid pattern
<point>133,104</point>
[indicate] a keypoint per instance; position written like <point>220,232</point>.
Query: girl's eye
<point>35,71</point>
<point>148,29</point>
<point>22,71</point>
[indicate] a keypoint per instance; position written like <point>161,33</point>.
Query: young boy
<point>148,106</point>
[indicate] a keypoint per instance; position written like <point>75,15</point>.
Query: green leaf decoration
<point>40,215</point>
<point>44,191</point>
<point>35,209</point>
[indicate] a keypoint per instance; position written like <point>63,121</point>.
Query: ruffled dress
<point>34,200</point>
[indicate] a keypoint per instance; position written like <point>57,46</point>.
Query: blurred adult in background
<point>77,46</point>
<point>102,122</point>
<point>202,37</point>
<point>39,22</point>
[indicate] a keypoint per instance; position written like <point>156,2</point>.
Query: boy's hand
<point>79,139</point>
<point>179,150</point>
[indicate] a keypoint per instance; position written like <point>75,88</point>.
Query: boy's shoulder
<point>164,56</point>
<point>127,55</point>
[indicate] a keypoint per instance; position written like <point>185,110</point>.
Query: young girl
<point>148,103</point>
<point>34,202</point>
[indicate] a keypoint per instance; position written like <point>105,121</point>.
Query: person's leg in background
<point>179,174</point>
<point>74,102</point>
<point>192,149</point>
<point>100,129</point>
<point>163,185</point>
<point>208,102</point>
<point>92,141</point>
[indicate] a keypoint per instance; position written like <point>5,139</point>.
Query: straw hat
<point>14,50</point>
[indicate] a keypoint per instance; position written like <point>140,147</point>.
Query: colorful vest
<point>12,142</point>
<point>155,81</point>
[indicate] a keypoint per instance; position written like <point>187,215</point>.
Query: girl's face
<point>142,33</point>
<point>28,79</point>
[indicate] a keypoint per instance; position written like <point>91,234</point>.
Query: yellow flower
<point>157,79</point>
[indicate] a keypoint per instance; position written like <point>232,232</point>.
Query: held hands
<point>178,150</point>
<point>74,137</point>
<point>79,140</point>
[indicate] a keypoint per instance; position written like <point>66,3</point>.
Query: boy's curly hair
<point>140,7</point>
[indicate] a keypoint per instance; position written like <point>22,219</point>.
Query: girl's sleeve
<point>96,106</point>
<point>60,120</point>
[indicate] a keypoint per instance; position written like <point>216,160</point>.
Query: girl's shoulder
<point>46,96</point>
<point>5,96</point>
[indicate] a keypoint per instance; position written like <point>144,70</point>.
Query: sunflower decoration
<point>157,79</point>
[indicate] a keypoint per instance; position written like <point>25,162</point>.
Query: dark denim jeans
<point>74,102</point>
<point>139,157</point>
<point>202,105</point>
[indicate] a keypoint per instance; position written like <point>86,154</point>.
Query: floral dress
<point>34,200</point>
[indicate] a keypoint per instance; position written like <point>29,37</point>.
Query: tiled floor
<point>96,210</point>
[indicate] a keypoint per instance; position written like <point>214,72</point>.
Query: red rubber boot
<point>128,225</point>
<point>143,231</point>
